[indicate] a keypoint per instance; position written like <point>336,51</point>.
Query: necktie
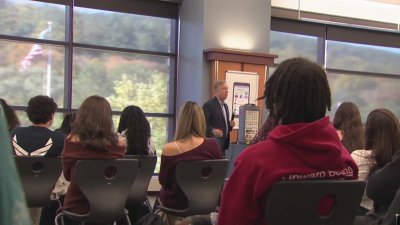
<point>225,117</point>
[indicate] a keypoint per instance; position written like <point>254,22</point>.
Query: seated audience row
<point>297,141</point>
<point>91,126</point>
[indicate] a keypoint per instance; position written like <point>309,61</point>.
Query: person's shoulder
<point>211,142</point>
<point>169,149</point>
<point>259,151</point>
<point>16,130</point>
<point>209,102</point>
<point>361,153</point>
<point>58,136</point>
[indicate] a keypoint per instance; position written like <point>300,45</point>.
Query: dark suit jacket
<point>215,119</point>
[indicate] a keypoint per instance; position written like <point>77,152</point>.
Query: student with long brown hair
<point>189,144</point>
<point>382,156</point>
<point>92,137</point>
<point>347,122</point>
<point>383,139</point>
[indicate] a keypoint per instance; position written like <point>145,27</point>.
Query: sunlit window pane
<point>124,79</point>
<point>29,69</point>
<point>367,92</point>
<point>123,30</point>
<point>32,19</point>
<point>360,57</point>
<point>287,45</point>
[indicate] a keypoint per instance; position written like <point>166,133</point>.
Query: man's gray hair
<point>218,83</point>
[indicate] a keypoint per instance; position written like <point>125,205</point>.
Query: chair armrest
<point>72,215</point>
<point>171,210</point>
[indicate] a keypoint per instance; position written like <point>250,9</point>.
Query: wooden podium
<point>224,60</point>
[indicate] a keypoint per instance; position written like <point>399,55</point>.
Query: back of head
<point>191,121</point>
<point>10,116</point>
<point>348,120</point>
<point>66,125</point>
<point>382,134</point>
<point>298,91</point>
<point>41,109</point>
<point>137,129</point>
<point>93,123</point>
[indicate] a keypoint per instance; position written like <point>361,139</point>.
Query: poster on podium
<point>243,89</point>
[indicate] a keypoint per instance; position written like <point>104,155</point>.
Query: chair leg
<point>58,217</point>
<point>128,221</point>
<point>148,204</point>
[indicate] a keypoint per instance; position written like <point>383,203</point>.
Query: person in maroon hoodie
<point>92,137</point>
<point>302,143</point>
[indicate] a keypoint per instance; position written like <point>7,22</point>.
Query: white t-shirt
<point>363,159</point>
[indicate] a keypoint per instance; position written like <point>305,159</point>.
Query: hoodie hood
<point>316,144</point>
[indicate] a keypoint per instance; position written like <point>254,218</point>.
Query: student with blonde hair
<point>189,144</point>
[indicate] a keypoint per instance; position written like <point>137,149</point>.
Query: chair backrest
<point>297,202</point>
<point>38,175</point>
<point>202,182</point>
<point>392,216</point>
<point>106,185</point>
<point>138,192</point>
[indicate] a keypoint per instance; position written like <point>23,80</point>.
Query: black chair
<point>138,192</point>
<point>202,182</point>
<point>38,175</point>
<point>106,185</point>
<point>392,215</point>
<point>296,202</point>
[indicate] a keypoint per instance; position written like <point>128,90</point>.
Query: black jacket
<point>215,119</point>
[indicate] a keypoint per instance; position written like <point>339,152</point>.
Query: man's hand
<point>232,123</point>
<point>217,132</point>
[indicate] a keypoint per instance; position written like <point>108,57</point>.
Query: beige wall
<point>207,24</point>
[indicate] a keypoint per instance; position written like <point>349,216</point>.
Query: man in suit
<point>216,113</point>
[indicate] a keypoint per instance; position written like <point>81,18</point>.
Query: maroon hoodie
<point>291,152</point>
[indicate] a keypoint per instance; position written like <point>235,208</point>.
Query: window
<point>30,69</point>
<point>287,45</point>
<point>69,50</point>
<point>362,65</point>
<point>367,92</point>
<point>361,57</point>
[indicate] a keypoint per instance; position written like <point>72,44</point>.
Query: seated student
<point>92,137</point>
<point>135,129</point>
<point>347,122</point>
<point>38,139</point>
<point>303,144</point>
<point>57,195</point>
<point>190,144</point>
<point>383,146</point>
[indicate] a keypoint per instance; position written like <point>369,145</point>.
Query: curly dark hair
<point>137,129</point>
<point>11,117</point>
<point>348,119</point>
<point>41,109</point>
<point>297,92</point>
